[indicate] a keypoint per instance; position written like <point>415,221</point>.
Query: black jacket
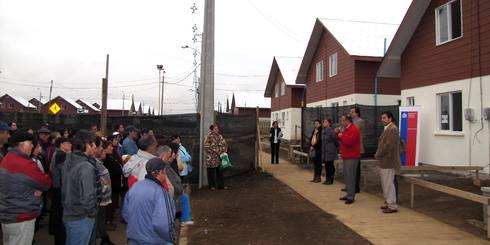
<point>115,171</point>
<point>318,145</point>
<point>271,135</point>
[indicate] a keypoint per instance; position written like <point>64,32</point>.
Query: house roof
<point>89,105</point>
<point>361,40</point>
<point>72,102</point>
<point>390,66</point>
<point>288,67</point>
<point>22,101</point>
<point>117,104</point>
<point>245,99</point>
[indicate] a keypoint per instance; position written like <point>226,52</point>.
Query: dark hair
<point>98,141</point>
<point>82,138</point>
<point>388,114</point>
<point>60,141</point>
<point>146,141</point>
<point>145,131</point>
<point>174,147</point>
<point>175,136</point>
<point>348,117</point>
<point>274,122</point>
<point>329,120</point>
<point>10,123</point>
<point>211,127</point>
<point>318,120</point>
<point>357,110</point>
<point>105,144</point>
<point>111,137</point>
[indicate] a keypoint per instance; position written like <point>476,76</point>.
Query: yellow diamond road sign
<point>55,108</point>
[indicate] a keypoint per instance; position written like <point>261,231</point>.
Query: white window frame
<point>11,106</point>
<point>283,88</point>
<point>449,25</point>
<point>283,117</point>
<point>332,65</point>
<point>450,112</point>
<point>319,71</point>
<point>411,101</point>
<point>276,91</point>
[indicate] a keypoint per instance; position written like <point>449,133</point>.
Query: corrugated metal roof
<point>89,105</point>
<point>22,101</point>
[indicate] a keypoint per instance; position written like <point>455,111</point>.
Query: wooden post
<point>364,175</point>
<point>411,194</point>
<point>488,218</point>
<point>259,148</point>
<point>105,83</point>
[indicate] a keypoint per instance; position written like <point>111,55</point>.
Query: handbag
<point>225,161</point>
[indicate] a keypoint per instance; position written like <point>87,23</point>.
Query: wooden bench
<point>302,154</point>
<point>423,168</point>
<point>450,191</point>
<point>291,149</point>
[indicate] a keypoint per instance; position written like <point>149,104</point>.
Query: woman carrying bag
<point>316,151</point>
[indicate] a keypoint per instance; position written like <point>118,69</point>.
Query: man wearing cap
<point>149,209</point>
<point>56,227</point>
<point>129,144</point>
<point>47,147</point>
<point>4,137</point>
<point>21,187</point>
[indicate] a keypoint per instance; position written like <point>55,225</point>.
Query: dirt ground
<point>258,209</point>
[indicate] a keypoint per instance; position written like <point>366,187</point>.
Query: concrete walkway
<point>364,216</point>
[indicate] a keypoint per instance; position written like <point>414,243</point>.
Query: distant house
<point>10,103</point>
<point>37,103</point>
<point>87,107</point>
<point>67,106</point>
<point>340,64</point>
<point>119,107</point>
<point>441,54</point>
<point>242,100</point>
<point>286,96</point>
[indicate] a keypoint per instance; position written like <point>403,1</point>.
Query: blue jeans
<point>186,208</point>
<point>79,232</point>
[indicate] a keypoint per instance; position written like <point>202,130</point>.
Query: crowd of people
<point>83,177</point>
<point>328,142</point>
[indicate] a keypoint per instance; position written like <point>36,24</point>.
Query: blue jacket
<point>129,146</point>
<point>150,213</point>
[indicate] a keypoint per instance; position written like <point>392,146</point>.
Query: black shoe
<point>343,199</point>
<point>316,180</point>
<point>344,190</point>
<point>348,201</point>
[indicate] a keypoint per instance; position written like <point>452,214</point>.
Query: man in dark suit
<point>275,139</point>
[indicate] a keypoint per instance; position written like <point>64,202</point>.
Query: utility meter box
<point>469,114</point>
<point>486,113</point>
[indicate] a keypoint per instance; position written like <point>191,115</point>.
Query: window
<point>448,22</point>
<point>63,107</point>
<point>287,116</point>
<point>276,90</point>
<point>319,71</point>
<point>332,65</point>
<point>2,106</point>
<point>410,101</point>
<point>450,114</point>
<point>283,88</point>
<point>282,119</point>
<point>11,106</point>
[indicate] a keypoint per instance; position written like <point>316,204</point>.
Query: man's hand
<point>38,193</point>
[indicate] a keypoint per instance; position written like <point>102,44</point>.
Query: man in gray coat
<point>388,156</point>
<point>78,191</point>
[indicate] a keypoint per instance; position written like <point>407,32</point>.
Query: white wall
<point>361,99</point>
<point>448,149</point>
<point>291,119</point>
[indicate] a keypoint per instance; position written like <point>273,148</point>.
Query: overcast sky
<point>67,41</point>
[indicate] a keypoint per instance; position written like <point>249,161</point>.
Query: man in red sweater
<point>350,150</point>
<point>21,187</point>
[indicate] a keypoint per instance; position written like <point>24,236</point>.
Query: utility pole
<point>159,67</point>
<point>122,112</point>
<point>50,91</point>
<point>105,83</point>
<point>207,84</point>
<point>163,83</point>
<point>40,100</point>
